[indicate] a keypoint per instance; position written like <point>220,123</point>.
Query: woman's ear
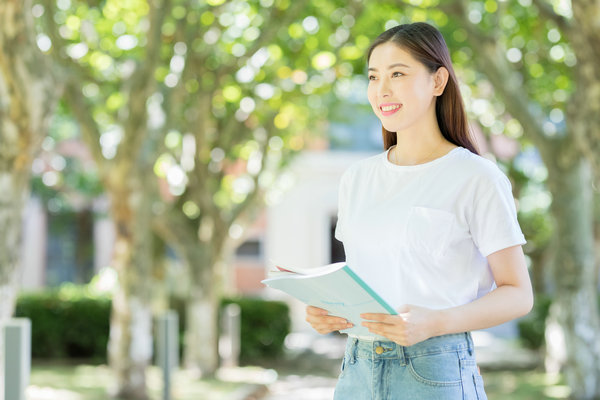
<point>440,79</point>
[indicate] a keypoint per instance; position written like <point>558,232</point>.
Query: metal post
<point>229,342</point>
<point>167,348</point>
<point>17,357</point>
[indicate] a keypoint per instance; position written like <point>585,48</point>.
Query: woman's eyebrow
<point>391,66</point>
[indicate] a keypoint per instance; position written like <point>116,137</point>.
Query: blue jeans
<point>439,368</point>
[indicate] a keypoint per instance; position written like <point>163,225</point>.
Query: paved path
<point>308,387</point>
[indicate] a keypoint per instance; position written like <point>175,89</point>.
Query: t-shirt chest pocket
<point>428,230</point>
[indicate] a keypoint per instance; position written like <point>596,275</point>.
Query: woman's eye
<point>371,78</point>
<point>395,74</point>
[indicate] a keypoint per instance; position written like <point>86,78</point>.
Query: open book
<point>334,287</point>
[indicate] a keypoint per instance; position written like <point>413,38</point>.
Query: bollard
<point>229,342</point>
<point>167,343</point>
<point>17,357</point>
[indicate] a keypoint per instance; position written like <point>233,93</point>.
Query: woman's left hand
<point>412,325</point>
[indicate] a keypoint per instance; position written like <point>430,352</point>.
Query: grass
<point>524,385</point>
<point>90,382</point>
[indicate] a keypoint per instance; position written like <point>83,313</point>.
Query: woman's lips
<point>388,109</point>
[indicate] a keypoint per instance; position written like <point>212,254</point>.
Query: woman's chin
<point>390,128</point>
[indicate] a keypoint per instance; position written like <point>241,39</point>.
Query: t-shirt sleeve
<point>343,198</point>
<point>493,221</point>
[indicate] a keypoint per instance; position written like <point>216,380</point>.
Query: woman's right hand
<point>323,323</point>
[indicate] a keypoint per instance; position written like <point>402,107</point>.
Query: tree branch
<point>28,88</point>
<point>83,113</point>
<point>256,192</point>
<point>143,82</point>
<point>73,75</point>
<point>548,11</point>
<point>174,98</point>
<point>67,66</point>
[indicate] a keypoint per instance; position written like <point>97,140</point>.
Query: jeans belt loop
<point>470,343</point>
<point>354,350</point>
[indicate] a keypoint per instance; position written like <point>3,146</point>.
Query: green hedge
<point>532,327</point>
<point>66,325</point>
<point>71,323</point>
<point>264,326</point>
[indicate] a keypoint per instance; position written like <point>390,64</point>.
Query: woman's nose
<point>384,88</point>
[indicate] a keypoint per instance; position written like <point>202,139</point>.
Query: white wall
<point>104,239</point>
<point>104,234</point>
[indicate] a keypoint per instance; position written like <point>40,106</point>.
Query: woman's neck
<point>415,147</point>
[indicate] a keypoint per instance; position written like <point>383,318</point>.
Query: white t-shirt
<point>421,234</point>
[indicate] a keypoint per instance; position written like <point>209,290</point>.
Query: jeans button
<point>379,350</point>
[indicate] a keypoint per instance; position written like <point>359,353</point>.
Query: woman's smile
<point>388,109</point>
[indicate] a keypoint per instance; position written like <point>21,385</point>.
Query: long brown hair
<point>427,45</point>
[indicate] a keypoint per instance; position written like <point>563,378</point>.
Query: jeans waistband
<point>376,348</point>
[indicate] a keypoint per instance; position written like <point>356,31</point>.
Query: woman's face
<point>401,89</point>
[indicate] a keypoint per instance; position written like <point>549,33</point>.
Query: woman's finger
<point>312,310</point>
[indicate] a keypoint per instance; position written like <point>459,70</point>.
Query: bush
<point>532,328</point>
<point>66,323</point>
<point>264,326</point>
<point>72,323</point>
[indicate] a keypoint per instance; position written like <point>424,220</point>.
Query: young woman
<point>429,224</point>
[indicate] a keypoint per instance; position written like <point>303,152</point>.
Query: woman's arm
<point>512,298</point>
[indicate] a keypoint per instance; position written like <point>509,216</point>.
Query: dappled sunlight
<point>524,385</point>
<point>90,382</point>
<point>68,382</point>
<point>555,388</point>
<point>48,393</point>
<point>90,376</point>
<point>330,346</point>
<point>558,392</point>
<point>296,387</point>
<point>248,374</point>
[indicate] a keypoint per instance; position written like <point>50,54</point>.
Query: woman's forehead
<point>387,54</point>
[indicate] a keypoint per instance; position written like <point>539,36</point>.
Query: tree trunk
<point>130,344</point>
<point>27,99</point>
<point>583,107</point>
<point>201,336</point>
<point>201,340</point>
<point>574,322</point>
